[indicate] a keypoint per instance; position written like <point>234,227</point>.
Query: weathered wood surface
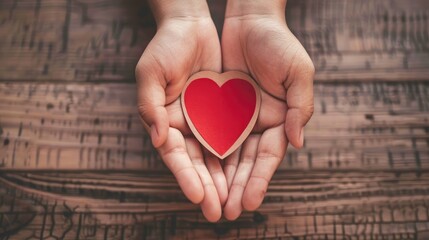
<point>76,164</point>
<point>101,40</point>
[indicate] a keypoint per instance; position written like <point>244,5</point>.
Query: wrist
<point>186,10</point>
<point>250,8</point>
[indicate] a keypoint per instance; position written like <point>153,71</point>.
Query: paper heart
<point>221,109</point>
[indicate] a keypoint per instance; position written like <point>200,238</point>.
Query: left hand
<point>256,40</point>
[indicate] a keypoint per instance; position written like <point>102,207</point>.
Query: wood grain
<point>102,40</point>
<point>75,162</point>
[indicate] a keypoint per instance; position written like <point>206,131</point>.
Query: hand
<point>256,40</point>
<point>186,42</point>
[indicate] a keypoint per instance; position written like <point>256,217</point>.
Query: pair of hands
<point>255,40</point>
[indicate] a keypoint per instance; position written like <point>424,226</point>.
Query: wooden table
<point>75,162</point>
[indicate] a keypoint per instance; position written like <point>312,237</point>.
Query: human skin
<point>186,42</point>
<point>256,41</point>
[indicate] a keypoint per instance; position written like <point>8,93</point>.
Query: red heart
<point>221,109</point>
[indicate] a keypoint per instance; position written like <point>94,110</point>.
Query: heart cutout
<point>221,109</point>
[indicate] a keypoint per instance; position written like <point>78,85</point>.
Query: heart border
<point>220,79</point>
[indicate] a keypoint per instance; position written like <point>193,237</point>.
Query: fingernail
<point>153,134</point>
<point>301,137</point>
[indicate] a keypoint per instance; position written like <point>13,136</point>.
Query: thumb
<point>299,97</point>
<point>151,105</point>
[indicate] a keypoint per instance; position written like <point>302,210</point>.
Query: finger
<point>210,205</point>
<point>299,98</point>
<point>271,114</point>
<point>230,166</point>
<point>151,101</point>
<point>175,156</point>
<point>271,151</point>
<point>215,169</point>
<point>177,119</point>
<point>233,207</point>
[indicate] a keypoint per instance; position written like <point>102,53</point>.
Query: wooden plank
<point>75,162</point>
<point>363,171</point>
<point>85,126</point>
<point>102,40</point>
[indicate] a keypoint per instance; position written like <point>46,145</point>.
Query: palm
<point>178,51</point>
<point>266,49</point>
<point>269,52</point>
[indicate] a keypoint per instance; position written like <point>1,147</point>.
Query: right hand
<point>182,46</point>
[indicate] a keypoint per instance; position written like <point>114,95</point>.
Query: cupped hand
<point>182,46</point>
<point>257,41</point>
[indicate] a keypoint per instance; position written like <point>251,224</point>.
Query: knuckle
<point>308,111</point>
<point>178,150</point>
<point>143,109</point>
<point>272,160</point>
<point>248,158</point>
<point>198,161</point>
<point>144,68</point>
<point>266,155</point>
<point>265,181</point>
<point>238,184</point>
<point>181,170</point>
<point>147,109</point>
